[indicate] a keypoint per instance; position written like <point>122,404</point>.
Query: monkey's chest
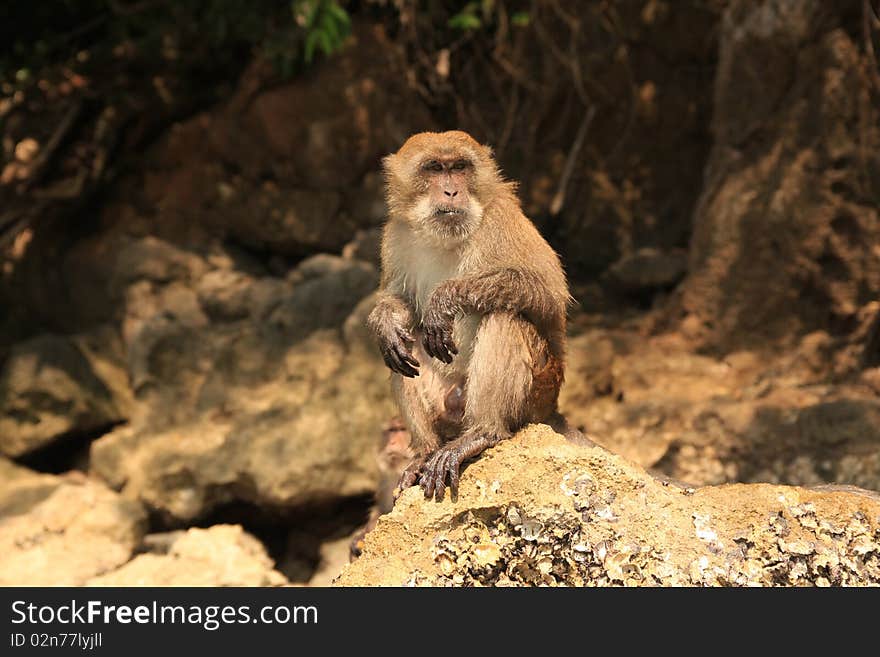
<point>428,268</point>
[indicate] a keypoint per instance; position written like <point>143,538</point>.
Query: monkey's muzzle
<point>447,212</point>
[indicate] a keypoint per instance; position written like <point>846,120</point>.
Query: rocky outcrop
<point>62,531</point>
<point>263,390</point>
<point>52,386</point>
<point>785,228</point>
<point>712,420</point>
<point>234,321</point>
<point>539,510</point>
<point>222,555</point>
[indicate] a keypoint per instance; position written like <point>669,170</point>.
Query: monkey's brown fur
<point>471,314</point>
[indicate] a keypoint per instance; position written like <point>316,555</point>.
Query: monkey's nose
<point>451,194</point>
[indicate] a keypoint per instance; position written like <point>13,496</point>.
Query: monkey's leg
<point>499,382</point>
<point>419,402</point>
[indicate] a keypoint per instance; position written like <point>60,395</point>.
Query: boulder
<point>540,510</point>
<point>53,386</point>
<point>648,270</point>
<point>61,531</point>
<point>712,420</point>
<point>222,555</point>
<point>283,416</point>
<point>786,225</point>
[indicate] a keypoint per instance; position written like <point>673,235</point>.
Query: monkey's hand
<point>396,347</point>
<point>437,326</point>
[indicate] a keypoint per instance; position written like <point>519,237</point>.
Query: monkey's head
<point>439,182</point>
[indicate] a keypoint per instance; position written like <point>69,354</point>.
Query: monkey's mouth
<point>447,212</point>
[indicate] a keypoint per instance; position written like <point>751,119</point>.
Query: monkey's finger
<point>407,362</point>
<point>396,365</point>
<point>407,370</point>
<point>448,347</point>
<point>387,358</point>
<point>428,344</point>
<point>407,356</point>
<point>438,350</point>
<point>445,356</point>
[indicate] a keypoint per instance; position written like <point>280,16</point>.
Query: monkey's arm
<point>391,321</point>
<point>514,291</point>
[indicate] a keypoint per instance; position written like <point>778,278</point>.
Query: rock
<point>335,555</point>
<point>539,510</point>
<point>277,423</point>
<point>293,222</point>
<point>287,169</point>
<point>222,555</point>
<point>366,246</point>
<point>61,531</point>
<point>784,230</point>
<point>648,269</point>
<point>52,386</point>
<point>712,420</point>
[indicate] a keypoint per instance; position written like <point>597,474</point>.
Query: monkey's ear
<point>388,164</point>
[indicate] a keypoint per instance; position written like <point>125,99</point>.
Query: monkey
<point>471,313</point>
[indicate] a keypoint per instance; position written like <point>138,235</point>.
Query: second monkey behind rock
<point>471,313</point>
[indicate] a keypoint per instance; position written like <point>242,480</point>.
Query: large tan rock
<point>711,420</point>
<point>222,555</point>
<point>539,510</point>
<point>284,428</point>
<point>60,531</point>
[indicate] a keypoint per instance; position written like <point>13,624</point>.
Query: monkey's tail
<point>561,426</point>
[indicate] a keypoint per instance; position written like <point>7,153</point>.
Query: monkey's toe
<point>409,476</point>
<point>442,465</point>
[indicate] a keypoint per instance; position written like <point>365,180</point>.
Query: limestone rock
<point>283,428</point>
<point>54,385</point>
<point>711,420</point>
<point>222,555</point>
<point>60,531</point>
<point>785,227</point>
<point>648,269</point>
<point>539,510</point>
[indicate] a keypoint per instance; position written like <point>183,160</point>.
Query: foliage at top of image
<point>212,33</point>
<point>475,15</point>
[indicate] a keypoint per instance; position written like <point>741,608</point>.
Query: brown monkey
<point>471,314</point>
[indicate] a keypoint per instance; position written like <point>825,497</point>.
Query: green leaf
<point>465,21</point>
<point>324,40</point>
<point>329,27</point>
<point>309,50</point>
<point>339,14</point>
<point>521,18</point>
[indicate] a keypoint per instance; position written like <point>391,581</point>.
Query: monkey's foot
<point>446,462</point>
<point>409,476</point>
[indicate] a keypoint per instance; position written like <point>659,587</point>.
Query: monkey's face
<point>447,205</point>
<point>434,183</point>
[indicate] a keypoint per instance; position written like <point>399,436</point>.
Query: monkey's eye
<point>434,166</point>
<point>460,165</point>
